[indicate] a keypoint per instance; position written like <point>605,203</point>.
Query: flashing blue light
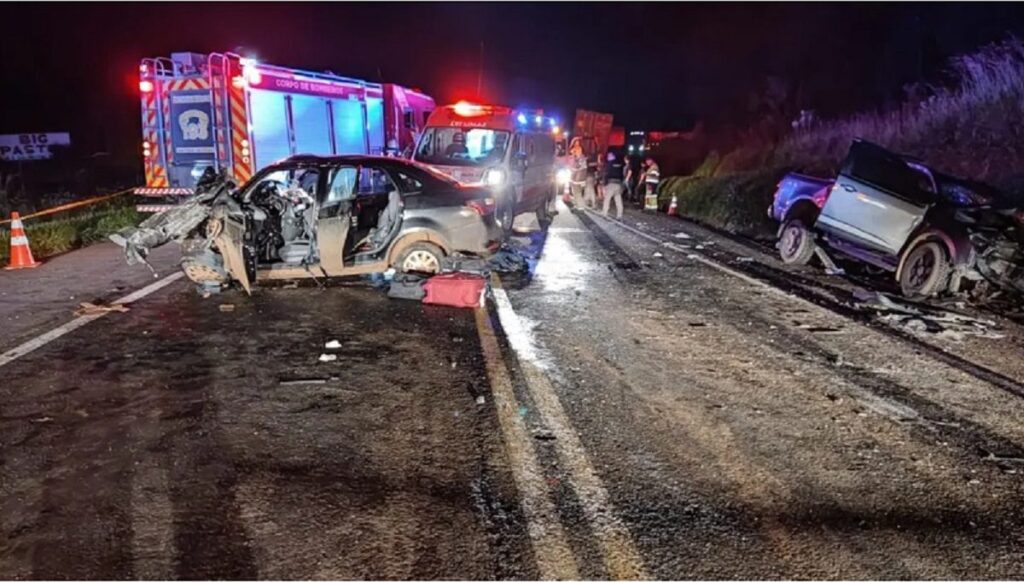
<point>538,119</point>
<point>521,118</point>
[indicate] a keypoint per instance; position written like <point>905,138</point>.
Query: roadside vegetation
<point>972,126</point>
<point>63,232</point>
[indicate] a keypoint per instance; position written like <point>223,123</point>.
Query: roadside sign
<point>18,147</point>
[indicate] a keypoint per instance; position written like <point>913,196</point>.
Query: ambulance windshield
<point>456,146</point>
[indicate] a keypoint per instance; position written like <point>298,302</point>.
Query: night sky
<point>655,66</point>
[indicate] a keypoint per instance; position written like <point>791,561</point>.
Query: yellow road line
<point>619,552</point>
<point>555,560</point>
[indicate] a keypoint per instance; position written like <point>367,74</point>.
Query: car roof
<point>387,162</point>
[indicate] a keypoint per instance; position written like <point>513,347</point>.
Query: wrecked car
<point>310,216</point>
<point>936,233</point>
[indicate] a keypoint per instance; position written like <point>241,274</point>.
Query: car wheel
<point>505,216</point>
<point>796,243</point>
<point>419,258</point>
<point>925,270</point>
<point>546,212</point>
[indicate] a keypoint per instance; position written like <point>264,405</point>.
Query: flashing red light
<point>467,109</point>
<point>146,86</point>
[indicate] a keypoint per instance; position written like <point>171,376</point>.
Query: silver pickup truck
<point>936,233</point>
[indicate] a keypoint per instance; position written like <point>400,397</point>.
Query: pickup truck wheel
<point>796,243</point>
<point>420,258</point>
<point>925,271</point>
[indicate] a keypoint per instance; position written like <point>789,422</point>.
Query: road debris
<point>332,345</point>
<point>681,235</point>
<point>226,307</point>
<point>328,357</point>
<point>921,319</point>
<point>87,308</point>
<point>657,255</point>
<point>480,400</point>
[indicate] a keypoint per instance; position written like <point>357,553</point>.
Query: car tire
<point>925,271</point>
<point>420,257</point>
<point>505,216</point>
<point>546,212</point>
<point>796,243</point>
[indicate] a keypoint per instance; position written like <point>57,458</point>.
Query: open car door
<point>229,243</point>
<point>878,199</point>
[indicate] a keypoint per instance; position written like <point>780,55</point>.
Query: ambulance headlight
<point>562,176</point>
<point>494,177</point>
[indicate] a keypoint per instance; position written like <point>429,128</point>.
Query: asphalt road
<point>652,400</point>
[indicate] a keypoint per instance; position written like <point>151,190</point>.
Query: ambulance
<point>223,112</point>
<point>510,151</point>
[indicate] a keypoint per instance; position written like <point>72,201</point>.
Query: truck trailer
<point>237,115</point>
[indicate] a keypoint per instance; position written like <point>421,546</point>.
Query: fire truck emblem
<point>194,124</point>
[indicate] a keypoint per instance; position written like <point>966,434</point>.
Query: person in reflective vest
<point>651,178</point>
<point>578,178</point>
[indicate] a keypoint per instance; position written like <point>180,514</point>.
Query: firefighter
<point>612,177</point>
<point>650,178</point>
<point>578,178</point>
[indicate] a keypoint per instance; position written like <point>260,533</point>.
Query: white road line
<point>621,557</point>
<point>41,340</point>
<point>555,560</point>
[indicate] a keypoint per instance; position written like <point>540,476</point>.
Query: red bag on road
<point>455,289</point>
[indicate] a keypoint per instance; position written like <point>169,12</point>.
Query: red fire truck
<point>223,111</point>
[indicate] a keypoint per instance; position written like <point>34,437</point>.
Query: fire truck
<point>226,112</point>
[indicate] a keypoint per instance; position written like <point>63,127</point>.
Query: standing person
<point>590,189</point>
<point>612,179</point>
<point>651,178</point>
<point>578,178</point>
<point>628,178</point>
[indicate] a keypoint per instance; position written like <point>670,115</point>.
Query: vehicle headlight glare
<point>494,177</point>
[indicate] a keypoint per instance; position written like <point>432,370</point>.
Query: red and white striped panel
<point>146,191</point>
<point>153,207</point>
<point>241,149</point>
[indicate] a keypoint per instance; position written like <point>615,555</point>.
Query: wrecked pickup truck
<point>311,216</point>
<point>937,234</point>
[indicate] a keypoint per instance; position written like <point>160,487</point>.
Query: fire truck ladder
<point>219,70</point>
<point>156,71</point>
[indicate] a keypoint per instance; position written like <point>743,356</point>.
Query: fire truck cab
<point>510,151</point>
<point>237,115</point>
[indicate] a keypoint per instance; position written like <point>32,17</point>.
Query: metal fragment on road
<point>332,345</point>
<point>328,357</point>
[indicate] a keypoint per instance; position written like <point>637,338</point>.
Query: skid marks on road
<point>890,378</point>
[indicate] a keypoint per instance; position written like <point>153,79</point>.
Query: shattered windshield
<point>456,146</point>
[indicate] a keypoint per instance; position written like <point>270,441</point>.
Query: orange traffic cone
<point>673,209</point>
<point>21,254</point>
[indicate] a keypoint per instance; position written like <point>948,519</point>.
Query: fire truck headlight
<point>562,176</point>
<point>494,177</point>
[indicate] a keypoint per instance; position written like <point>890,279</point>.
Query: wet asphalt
<point>683,422</point>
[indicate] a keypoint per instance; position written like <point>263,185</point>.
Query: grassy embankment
<point>52,235</point>
<point>973,127</point>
